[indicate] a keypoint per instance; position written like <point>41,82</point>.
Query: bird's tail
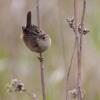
<point>28,24</point>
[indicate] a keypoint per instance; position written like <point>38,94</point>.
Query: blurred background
<point>17,61</point>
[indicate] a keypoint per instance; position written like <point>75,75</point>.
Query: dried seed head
<point>16,86</point>
<point>20,87</point>
<point>73,93</point>
<point>70,22</point>
<point>85,30</point>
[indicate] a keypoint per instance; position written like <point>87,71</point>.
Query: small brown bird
<point>35,39</point>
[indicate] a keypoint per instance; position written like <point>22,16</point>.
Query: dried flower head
<point>85,30</point>
<point>71,22</point>
<point>73,93</point>
<point>16,86</point>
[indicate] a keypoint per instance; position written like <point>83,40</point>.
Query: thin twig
<point>82,25</point>
<point>38,13</point>
<point>79,37</point>
<point>69,69</point>
<point>81,40</point>
<point>41,57</point>
<point>75,18</point>
<point>78,52</point>
<point>42,76</point>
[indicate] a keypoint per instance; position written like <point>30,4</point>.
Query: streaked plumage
<point>35,39</point>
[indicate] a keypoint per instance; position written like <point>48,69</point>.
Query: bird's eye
<point>43,37</point>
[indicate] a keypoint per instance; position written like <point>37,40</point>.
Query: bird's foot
<point>41,59</point>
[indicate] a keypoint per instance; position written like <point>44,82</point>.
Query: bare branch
<point>38,13</point>
<point>81,43</point>
<point>42,67</point>
<point>41,57</point>
<point>69,69</point>
<point>78,52</point>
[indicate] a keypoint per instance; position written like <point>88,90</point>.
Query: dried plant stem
<point>82,26</point>
<point>81,42</point>
<point>41,58</point>
<point>78,52</point>
<point>79,37</point>
<point>38,13</point>
<point>42,76</point>
<point>69,69</point>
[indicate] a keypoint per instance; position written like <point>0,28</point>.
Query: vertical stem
<point>82,25</point>
<point>42,76</point>
<point>38,13</point>
<point>78,52</point>
<point>81,39</point>
<point>41,57</point>
<point>69,69</point>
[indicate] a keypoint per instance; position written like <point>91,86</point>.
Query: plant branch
<point>69,69</point>
<point>81,42</point>
<point>79,31</point>
<point>42,76</point>
<point>78,53</point>
<point>79,37</point>
<point>41,57</point>
<point>82,25</point>
<point>38,13</point>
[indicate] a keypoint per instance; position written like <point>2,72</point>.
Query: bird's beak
<point>23,28</point>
